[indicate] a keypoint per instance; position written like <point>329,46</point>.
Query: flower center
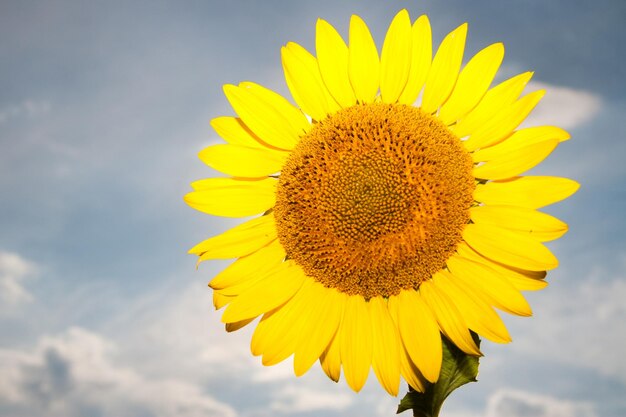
<point>374,199</point>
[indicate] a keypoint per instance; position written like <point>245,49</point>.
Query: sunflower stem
<point>457,369</point>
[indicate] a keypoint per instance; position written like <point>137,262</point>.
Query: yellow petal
<point>231,197</point>
<point>509,248</point>
<point>243,161</point>
<point>408,369</point>
<point>268,293</point>
<point>319,327</point>
<point>363,62</point>
<point>356,342</point>
<point>490,283</point>
<point>444,70</point>
<point>421,57</point>
<point>449,318</point>
<point>251,267</point>
<point>271,334</point>
<point>332,58</point>
<point>395,61</point>
<point>294,116</point>
<point>260,111</point>
<point>530,192</point>
<point>419,332</point>
<point>516,162</point>
<point>386,351</point>
<point>238,241</point>
<point>473,82</point>
<point>221,300</point>
<point>261,337</point>
<point>305,82</point>
<point>541,226</point>
<point>519,139</point>
<point>500,96</point>
<point>477,312</point>
<point>233,327</point>
<point>289,327</point>
<point>503,122</point>
<point>209,183</point>
<point>331,357</point>
<point>235,132</point>
<point>520,279</point>
<point>410,372</point>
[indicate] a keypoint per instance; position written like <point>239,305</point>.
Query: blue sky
<point>103,108</point>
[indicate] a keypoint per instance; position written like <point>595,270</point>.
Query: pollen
<point>374,199</point>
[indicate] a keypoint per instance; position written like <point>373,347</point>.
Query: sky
<point>103,109</point>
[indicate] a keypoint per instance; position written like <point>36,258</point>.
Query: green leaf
<point>457,369</point>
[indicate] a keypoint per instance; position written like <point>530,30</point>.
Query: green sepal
<point>457,369</point>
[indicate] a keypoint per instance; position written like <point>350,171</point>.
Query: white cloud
<point>279,372</point>
<point>75,374</point>
<point>582,324</point>
<point>457,413</point>
<point>302,399</point>
<point>13,271</point>
<point>516,403</point>
<point>178,333</point>
<point>385,405</point>
<point>562,106</point>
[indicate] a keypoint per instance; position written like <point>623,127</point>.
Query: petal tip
<point>403,14</point>
<point>228,88</point>
<point>423,18</point>
<point>566,136</point>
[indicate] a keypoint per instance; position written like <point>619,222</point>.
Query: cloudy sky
<point>103,108</point>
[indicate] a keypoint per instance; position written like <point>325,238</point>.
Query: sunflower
<point>380,222</point>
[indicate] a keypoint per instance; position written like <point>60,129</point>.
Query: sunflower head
<point>374,198</point>
<point>381,222</point>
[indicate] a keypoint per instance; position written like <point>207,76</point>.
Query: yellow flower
<point>383,223</point>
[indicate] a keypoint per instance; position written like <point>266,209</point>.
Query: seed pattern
<point>374,199</point>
